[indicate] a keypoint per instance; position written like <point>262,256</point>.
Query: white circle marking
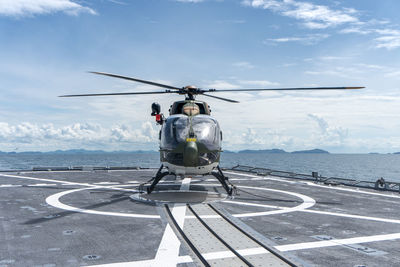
<point>54,200</point>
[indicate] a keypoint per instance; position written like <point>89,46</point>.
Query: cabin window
<point>177,108</point>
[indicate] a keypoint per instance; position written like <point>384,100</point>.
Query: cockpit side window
<point>202,110</point>
<point>168,139</point>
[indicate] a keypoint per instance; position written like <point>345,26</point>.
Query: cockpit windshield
<point>179,127</point>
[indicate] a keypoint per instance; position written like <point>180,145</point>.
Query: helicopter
<point>190,138</point>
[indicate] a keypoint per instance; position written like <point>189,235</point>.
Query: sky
<point>47,48</point>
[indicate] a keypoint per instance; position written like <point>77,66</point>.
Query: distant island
<point>78,151</point>
<point>281,151</point>
<point>312,151</point>
<point>270,151</point>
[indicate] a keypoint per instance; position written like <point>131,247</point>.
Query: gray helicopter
<point>190,138</point>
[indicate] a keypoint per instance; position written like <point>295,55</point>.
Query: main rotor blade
<point>221,98</point>
<point>285,89</point>
<point>108,94</point>
<point>136,80</point>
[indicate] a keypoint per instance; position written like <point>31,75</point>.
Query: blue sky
<point>47,47</point>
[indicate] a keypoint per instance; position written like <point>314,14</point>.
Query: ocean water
<point>368,167</point>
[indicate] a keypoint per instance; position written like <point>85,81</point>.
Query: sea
<point>367,167</point>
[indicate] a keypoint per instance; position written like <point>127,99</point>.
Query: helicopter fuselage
<point>190,139</point>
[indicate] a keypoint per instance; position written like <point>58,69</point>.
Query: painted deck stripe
<point>259,250</point>
<point>271,178</point>
<point>338,242</point>
<point>353,216</point>
<point>54,201</point>
<point>87,185</point>
<point>168,250</point>
<point>43,179</point>
<point>317,185</point>
<point>9,185</point>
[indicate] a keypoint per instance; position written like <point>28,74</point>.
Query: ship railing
<point>77,168</point>
<point>379,184</point>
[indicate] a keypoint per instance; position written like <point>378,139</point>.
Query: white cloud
<point>243,65</point>
<point>308,39</point>
<point>258,83</point>
<point>312,16</point>
<point>372,66</point>
<point>237,84</point>
<point>389,42</point>
<point>340,67</point>
<point>220,84</point>
<point>349,71</point>
<point>357,30</point>
<point>388,38</point>
<point>331,58</point>
<point>251,138</point>
<point>334,72</point>
<point>320,135</point>
<point>289,64</point>
<point>20,8</point>
<point>76,135</point>
<point>328,135</point>
<point>394,74</point>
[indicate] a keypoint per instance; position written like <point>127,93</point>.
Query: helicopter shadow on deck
<point>171,192</point>
<point>62,214</point>
<point>259,197</point>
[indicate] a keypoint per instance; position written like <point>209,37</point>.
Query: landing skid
<point>154,181</point>
<point>230,189</point>
<point>228,186</point>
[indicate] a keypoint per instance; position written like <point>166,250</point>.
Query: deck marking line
<point>54,201</point>
<point>283,248</point>
<point>33,185</point>
<point>256,205</point>
<point>229,254</point>
<point>89,186</point>
<point>307,203</point>
<point>168,250</point>
<point>338,242</point>
<point>9,185</point>
<point>44,179</point>
<point>353,216</point>
<point>318,212</point>
<point>317,185</point>
<point>268,177</point>
<point>352,190</point>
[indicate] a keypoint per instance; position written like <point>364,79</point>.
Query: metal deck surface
<point>88,218</point>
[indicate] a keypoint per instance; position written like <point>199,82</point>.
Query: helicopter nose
<point>190,154</point>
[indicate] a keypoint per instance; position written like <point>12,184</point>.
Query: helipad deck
<point>76,218</point>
